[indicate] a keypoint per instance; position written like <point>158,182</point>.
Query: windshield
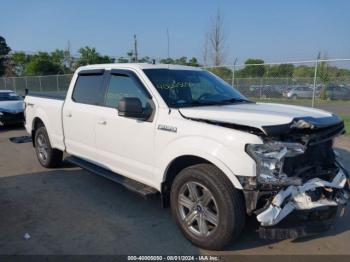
<point>9,96</point>
<point>187,88</point>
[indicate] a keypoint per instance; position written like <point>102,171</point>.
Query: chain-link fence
<point>40,84</point>
<point>309,83</point>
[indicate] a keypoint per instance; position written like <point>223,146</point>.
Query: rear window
<point>89,90</point>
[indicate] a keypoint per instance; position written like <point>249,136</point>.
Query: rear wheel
<point>206,206</point>
<point>48,157</point>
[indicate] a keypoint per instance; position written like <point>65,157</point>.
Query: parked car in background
<point>11,108</point>
<point>264,91</point>
<point>334,92</point>
<point>300,92</point>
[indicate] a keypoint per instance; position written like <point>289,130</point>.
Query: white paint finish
<point>223,147</point>
<point>79,121</point>
<point>139,150</point>
<point>138,66</point>
<point>125,145</point>
<point>48,111</point>
<point>255,115</point>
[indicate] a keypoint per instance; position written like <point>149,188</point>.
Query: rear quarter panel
<point>49,111</point>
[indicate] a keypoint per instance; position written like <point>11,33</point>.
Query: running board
<point>142,189</point>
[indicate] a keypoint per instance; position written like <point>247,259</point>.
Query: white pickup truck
<point>210,153</point>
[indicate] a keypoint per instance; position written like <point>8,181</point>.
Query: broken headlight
<point>270,158</point>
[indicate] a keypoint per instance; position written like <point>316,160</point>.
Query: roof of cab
<point>6,91</point>
<point>139,66</point>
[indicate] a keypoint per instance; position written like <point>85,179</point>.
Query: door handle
<point>69,114</point>
<point>102,122</point>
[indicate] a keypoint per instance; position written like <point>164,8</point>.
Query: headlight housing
<point>270,158</point>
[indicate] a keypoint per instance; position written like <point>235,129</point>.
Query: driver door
<point>125,145</point>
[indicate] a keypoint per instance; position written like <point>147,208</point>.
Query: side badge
<point>167,128</point>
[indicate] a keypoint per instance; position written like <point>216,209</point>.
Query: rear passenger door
<point>80,113</point>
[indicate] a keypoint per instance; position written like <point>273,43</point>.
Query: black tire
<point>230,206</point>
<point>53,156</point>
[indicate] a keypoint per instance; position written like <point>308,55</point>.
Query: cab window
<point>89,89</point>
<point>124,85</point>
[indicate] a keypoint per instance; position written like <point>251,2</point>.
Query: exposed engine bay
<point>297,170</point>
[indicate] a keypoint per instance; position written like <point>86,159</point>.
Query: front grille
<point>317,161</point>
<point>325,134</point>
<point>319,158</point>
<point>9,117</point>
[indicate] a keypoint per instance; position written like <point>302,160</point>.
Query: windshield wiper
<point>198,103</point>
<point>235,100</point>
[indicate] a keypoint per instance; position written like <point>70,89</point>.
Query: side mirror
<point>131,107</point>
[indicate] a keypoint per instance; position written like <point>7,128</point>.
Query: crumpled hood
<point>260,115</point>
<point>12,106</point>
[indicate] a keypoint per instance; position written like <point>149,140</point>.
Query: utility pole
<point>67,56</point>
<point>168,42</point>
<point>233,72</point>
<point>135,49</point>
<point>315,77</point>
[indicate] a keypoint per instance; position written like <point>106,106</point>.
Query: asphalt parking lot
<point>71,211</point>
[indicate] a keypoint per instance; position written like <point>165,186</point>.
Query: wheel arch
<point>181,162</point>
<point>37,122</point>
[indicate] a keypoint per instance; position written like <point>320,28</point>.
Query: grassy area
<point>346,119</point>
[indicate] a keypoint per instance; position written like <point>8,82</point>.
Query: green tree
<point>145,59</point>
<point>63,59</point>
<point>18,63</point>
<point>58,56</point>
<point>222,72</point>
<point>324,78</point>
<point>193,62</point>
<point>323,73</point>
<point>303,71</point>
<point>180,61</point>
<point>282,70</point>
<point>90,56</point>
<point>42,64</point>
<point>167,61</point>
<point>252,68</point>
<point>4,51</point>
<point>130,56</point>
<point>122,60</point>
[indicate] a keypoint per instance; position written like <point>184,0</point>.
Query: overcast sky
<point>274,30</point>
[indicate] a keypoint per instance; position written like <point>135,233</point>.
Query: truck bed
<point>50,95</point>
<point>47,108</point>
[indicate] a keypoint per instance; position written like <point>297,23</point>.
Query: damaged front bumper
<point>299,185</point>
<point>305,197</point>
<point>300,210</point>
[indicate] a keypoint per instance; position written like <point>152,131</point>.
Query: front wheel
<point>48,157</point>
<point>206,206</point>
